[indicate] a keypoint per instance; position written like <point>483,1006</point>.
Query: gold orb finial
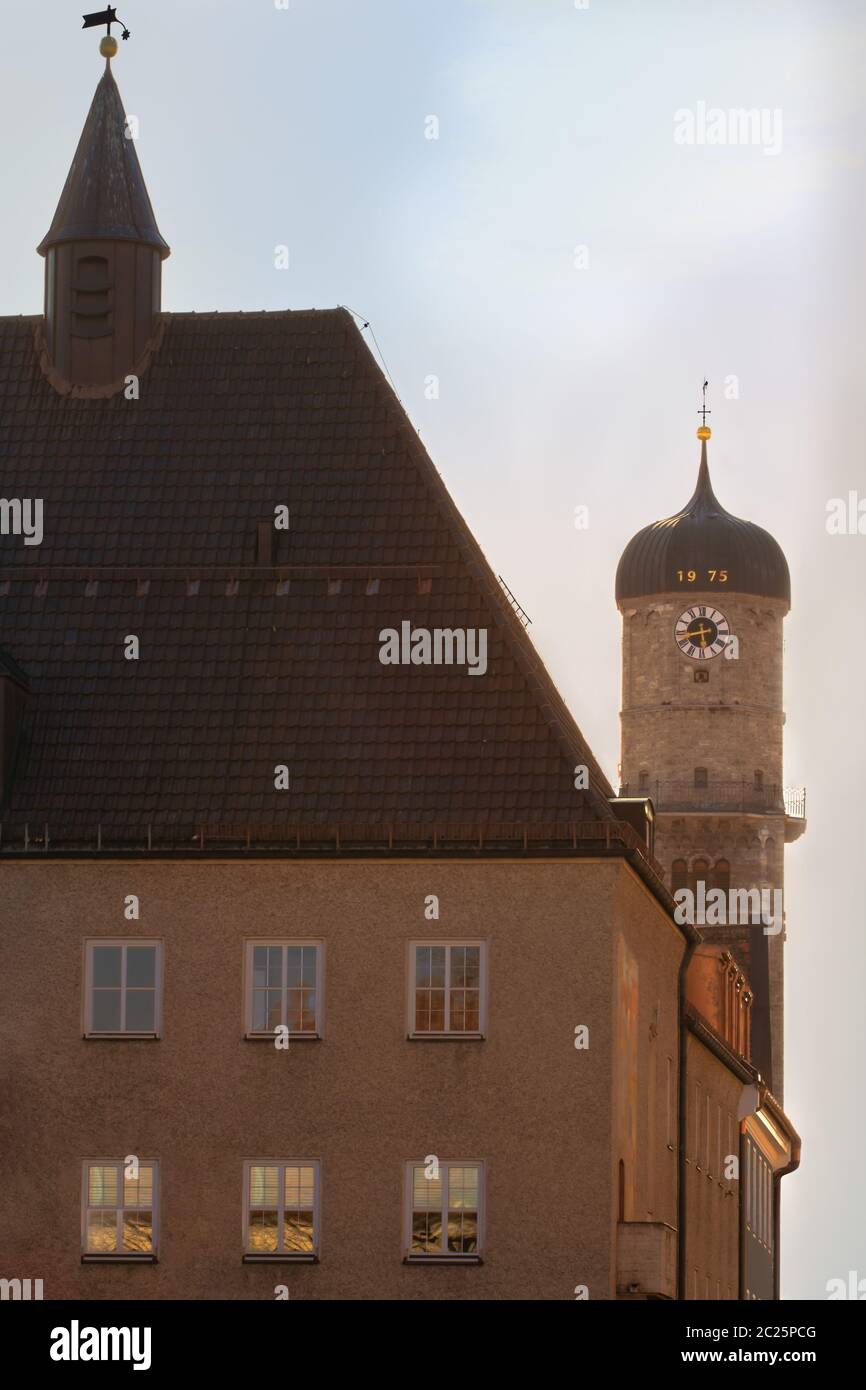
<point>704,432</point>
<point>108,46</point>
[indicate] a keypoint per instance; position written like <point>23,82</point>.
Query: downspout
<point>777,1216</point>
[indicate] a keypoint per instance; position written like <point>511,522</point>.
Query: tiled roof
<point>151,516</point>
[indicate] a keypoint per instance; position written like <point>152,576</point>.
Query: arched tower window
<point>700,873</point>
<point>700,776</point>
<point>679,875</point>
<point>721,875</point>
<point>643,782</point>
<point>759,780</point>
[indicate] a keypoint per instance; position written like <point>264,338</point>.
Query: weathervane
<point>704,431</point>
<point>106,17</point>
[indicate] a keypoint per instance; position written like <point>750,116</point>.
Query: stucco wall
<point>363,1100</point>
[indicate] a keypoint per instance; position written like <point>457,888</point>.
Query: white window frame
<point>445,1166</point>
<point>448,1032</point>
<point>283,941</point>
<point>124,942</point>
<point>283,1256</point>
<point>119,1256</point>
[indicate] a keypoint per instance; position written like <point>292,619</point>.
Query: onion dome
<point>703,548</point>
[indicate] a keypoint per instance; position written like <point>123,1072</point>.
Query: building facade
<point>332,966</point>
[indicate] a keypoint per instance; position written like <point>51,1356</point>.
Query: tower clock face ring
<point>701,632</point>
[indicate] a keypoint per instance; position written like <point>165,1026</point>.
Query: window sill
<point>443,1260</point>
<point>445,1037</point>
<point>280,1259</point>
<point>121,1037</point>
<point>119,1260</point>
<point>279,1037</point>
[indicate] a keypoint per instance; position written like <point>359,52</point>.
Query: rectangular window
<point>123,988</point>
<point>119,1209</point>
<point>447,992</point>
<point>444,1210</point>
<point>281,1209</point>
<point>284,988</point>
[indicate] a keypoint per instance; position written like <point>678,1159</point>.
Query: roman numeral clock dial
<point>701,632</point>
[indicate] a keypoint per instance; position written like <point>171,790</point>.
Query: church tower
<point>103,257</point>
<point>703,596</point>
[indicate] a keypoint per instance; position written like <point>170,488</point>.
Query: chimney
<point>103,255</point>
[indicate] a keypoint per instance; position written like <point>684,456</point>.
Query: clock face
<point>701,632</point>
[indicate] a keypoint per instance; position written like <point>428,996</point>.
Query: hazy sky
<point>558,385</point>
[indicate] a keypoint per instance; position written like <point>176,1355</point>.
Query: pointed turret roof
<point>105,195</point>
<point>701,538</point>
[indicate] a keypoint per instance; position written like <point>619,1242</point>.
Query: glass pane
<point>102,1185</point>
<point>298,1232</point>
<point>426,1233</point>
<point>294,965</point>
<point>275,966</point>
<point>430,966</point>
<point>106,1010</point>
<point>458,965</point>
<point>472,966</point>
<point>464,1010</point>
<point>299,1186</point>
<point>260,1010</point>
<point>275,1008</point>
<point>263,1231</point>
<point>437,1011</point>
<point>101,1232</point>
<point>260,965</point>
<point>106,965</point>
<point>429,1010</point>
<point>264,1185</point>
<point>301,1016</point>
<point>422,1011</point>
<point>138,1192</point>
<point>426,1192</point>
<point>138,1232</point>
<point>140,1010</point>
<point>462,1232</point>
<point>267,1010</point>
<point>308,1020</point>
<point>462,1188</point>
<point>308,976</point>
<point>141,967</point>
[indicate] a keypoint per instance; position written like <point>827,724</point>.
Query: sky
<point>569,273</point>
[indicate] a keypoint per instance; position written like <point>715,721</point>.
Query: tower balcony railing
<point>721,796</point>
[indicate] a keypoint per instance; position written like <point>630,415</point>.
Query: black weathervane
<point>106,17</point>
<point>703,412</point>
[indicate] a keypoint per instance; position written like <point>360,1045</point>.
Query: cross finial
<point>704,431</point>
